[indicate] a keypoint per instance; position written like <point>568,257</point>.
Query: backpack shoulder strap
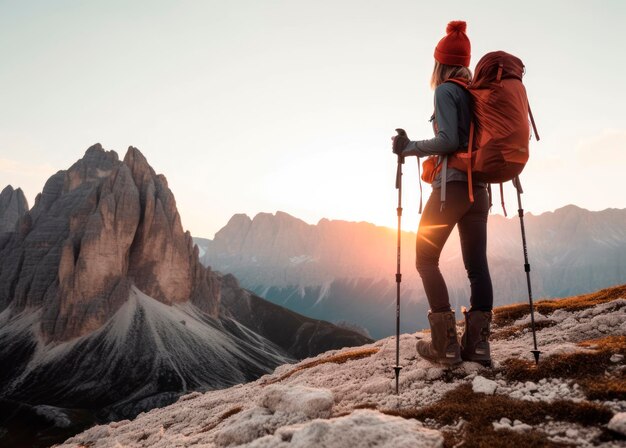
<point>468,157</point>
<point>459,82</point>
<point>532,120</point>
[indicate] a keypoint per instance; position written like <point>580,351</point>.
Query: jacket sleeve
<point>447,139</point>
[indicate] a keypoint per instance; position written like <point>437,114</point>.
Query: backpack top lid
<point>496,66</point>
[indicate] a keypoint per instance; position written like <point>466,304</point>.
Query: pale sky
<point>265,105</point>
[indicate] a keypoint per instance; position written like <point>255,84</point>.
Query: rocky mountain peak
<point>96,164</point>
<point>239,220</point>
<point>13,205</point>
<point>233,234</point>
<point>141,171</point>
<point>95,230</point>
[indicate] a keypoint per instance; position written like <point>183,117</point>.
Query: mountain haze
<point>345,271</point>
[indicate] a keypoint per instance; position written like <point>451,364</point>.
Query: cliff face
<point>95,230</point>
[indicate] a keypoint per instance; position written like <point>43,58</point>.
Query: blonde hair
<point>443,72</point>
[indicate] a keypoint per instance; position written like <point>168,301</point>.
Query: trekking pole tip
<point>536,355</point>
<point>397,370</point>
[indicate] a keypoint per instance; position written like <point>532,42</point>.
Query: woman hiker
<point>451,123</point>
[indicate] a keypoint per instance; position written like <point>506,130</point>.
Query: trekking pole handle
<point>400,163</point>
<point>401,132</point>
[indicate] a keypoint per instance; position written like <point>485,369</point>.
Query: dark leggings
<point>434,230</point>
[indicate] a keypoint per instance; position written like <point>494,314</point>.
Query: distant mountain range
<point>344,271</point>
<point>106,311</point>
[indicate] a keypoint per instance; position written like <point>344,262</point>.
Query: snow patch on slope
<point>54,414</point>
<point>302,259</point>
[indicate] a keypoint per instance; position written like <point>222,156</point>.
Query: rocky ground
<point>576,396</point>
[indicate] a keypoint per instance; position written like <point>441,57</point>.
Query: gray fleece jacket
<point>451,123</point>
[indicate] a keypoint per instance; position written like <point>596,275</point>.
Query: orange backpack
<point>499,132</point>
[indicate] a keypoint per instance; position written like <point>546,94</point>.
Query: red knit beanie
<point>454,48</point>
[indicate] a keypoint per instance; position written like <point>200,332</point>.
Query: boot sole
<point>445,362</point>
<point>482,362</point>
<point>450,363</point>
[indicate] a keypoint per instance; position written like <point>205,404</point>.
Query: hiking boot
<point>443,347</point>
<point>475,338</point>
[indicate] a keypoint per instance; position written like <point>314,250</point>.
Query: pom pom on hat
<point>456,25</point>
<point>455,47</point>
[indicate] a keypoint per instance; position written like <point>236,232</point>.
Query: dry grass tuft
<point>339,358</point>
<point>612,344</point>
<point>587,368</point>
<point>366,406</point>
<point>498,439</point>
<point>605,388</point>
<point>480,410</point>
<point>507,314</point>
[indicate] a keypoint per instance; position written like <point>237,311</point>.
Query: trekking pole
<point>397,367</point>
<point>518,187</point>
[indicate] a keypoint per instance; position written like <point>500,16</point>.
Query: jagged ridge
<point>323,270</point>
<point>94,231</point>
